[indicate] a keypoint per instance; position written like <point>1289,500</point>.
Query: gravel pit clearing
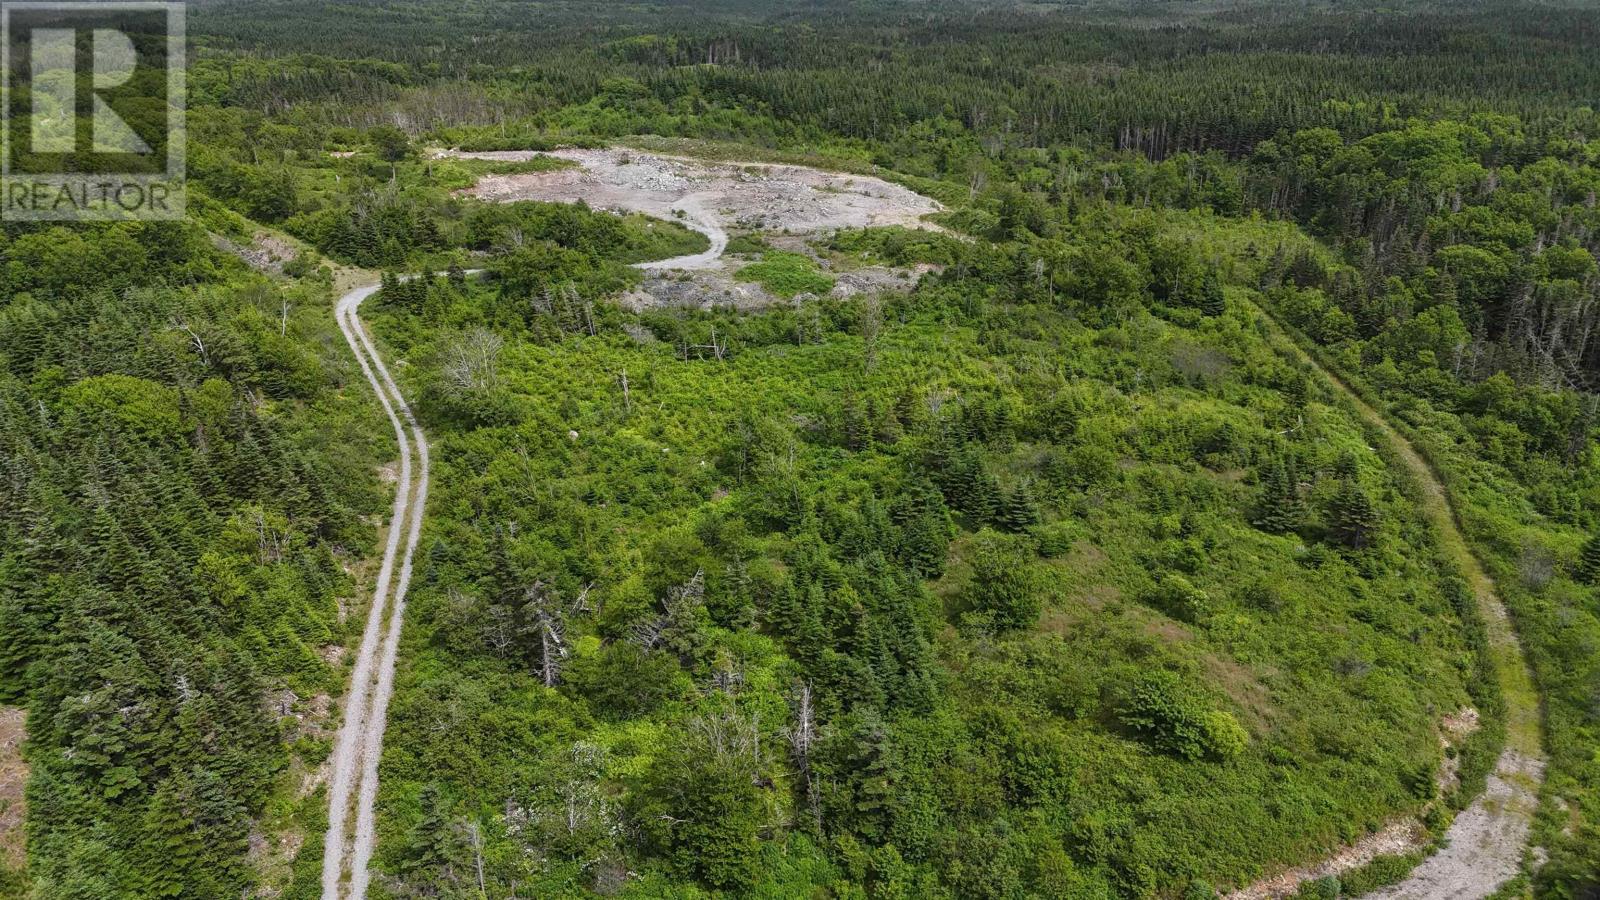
<point>711,197</point>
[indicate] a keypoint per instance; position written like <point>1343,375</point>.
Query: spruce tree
<point>1019,511</point>
<point>1212,301</point>
<point>1003,585</point>
<point>167,845</point>
<point>433,846</point>
<point>1352,516</point>
<point>1589,563</point>
<point>1279,508</point>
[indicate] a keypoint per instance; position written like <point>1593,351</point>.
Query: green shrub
<point>1322,889</point>
<point>897,246</point>
<point>1177,596</point>
<point>787,274</point>
<point>1166,710</point>
<point>1003,585</point>
<point>1225,737</point>
<point>747,244</point>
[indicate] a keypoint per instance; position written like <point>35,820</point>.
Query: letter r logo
<point>55,94</point>
<point>93,104</point>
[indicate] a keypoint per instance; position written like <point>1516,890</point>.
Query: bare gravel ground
<point>1403,837</point>
<point>710,197</point>
<point>1486,839</point>
<point>794,203</point>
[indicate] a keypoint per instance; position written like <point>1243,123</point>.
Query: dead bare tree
<point>499,629</point>
<point>195,341</point>
<point>718,349</point>
<point>728,678</point>
<point>270,538</point>
<point>471,361</point>
<point>731,734</point>
<point>647,634</point>
<point>544,628</point>
<point>677,627</point>
<point>476,839</point>
<point>977,176</point>
<point>802,736</point>
<point>583,803</point>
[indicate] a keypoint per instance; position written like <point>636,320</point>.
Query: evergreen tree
<point>1279,508</point>
<point>1352,516</point>
<point>1589,563</point>
<point>1019,511</point>
<point>1212,300</point>
<point>168,845</point>
<point>434,846</point>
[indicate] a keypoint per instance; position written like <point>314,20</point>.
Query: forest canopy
<point>1066,560</point>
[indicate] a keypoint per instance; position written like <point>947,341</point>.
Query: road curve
<point>359,744</point>
<point>1484,845</point>
<point>694,217</point>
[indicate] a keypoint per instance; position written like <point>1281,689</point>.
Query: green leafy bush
<point>1166,710</point>
<point>1003,589</point>
<point>786,274</point>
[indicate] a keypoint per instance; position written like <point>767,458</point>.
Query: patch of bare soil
<point>1476,859</point>
<point>712,198</point>
<point>13,778</point>
<point>1402,837</point>
<point>266,251</point>
<point>751,196</point>
<point>717,288</point>
<point>308,717</point>
<point>1453,729</point>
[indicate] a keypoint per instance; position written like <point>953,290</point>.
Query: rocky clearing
<point>792,205</point>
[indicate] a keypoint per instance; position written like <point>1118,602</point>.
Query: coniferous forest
<point>1210,485</point>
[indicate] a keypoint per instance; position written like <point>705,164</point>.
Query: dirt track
<point>1484,845</point>
<point>359,745</point>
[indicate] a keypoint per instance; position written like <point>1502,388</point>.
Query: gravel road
<point>359,745</point>
<point>694,215</point>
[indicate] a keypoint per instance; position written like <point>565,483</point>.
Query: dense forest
<point>182,483</point>
<point>1063,572</point>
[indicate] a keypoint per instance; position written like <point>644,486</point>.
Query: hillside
<point>873,450</point>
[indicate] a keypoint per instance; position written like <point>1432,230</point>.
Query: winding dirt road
<point>359,745</point>
<point>1484,845</point>
<point>696,217</point>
